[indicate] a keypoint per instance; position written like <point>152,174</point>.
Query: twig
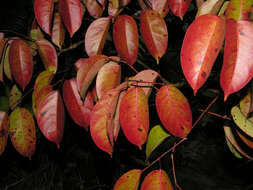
<point>217,115</point>
<point>174,171</point>
<point>71,47</point>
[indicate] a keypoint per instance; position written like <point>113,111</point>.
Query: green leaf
<point>156,136</point>
<point>15,97</point>
<point>4,103</point>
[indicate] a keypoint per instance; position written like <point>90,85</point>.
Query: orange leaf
<point>22,132</point>
<point>237,68</point>
<point>21,62</point>
<point>108,77</point>
<point>79,111</point>
<point>179,7</point>
<point>157,179</point>
<point>154,33</point>
<point>43,10</point>
<point>96,35</point>
<point>174,111</point>
<point>71,13</point>
<point>50,117</point>
<point>48,55</point>
<point>202,43</point>
<point>239,9</point>
<point>4,130</point>
<point>134,116</point>
<point>128,181</point>
<point>126,44</point>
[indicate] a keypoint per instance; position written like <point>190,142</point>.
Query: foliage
<point>108,87</point>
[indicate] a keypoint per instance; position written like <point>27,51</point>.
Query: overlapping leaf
<point>155,137</point>
<point>79,111</point>
<point>2,55</point>
<point>161,6</point>
<point>232,149</point>
<point>179,7</point>
<point>43,10</point>
<point>87,73</point>
<point>21,62</point>
<point>96,35</point>
<point>71,13</point>
<point>134,116</point>
<point>202,43</point>
<point>210,7</point>
<point>94,8</point>
<point>157,179</point>
<point>50,117</point>
<point>129,180</point>
<point>145,4</point>
<point>4,130</point>
<point>108,77</point>
<point>22,132</point>
<point>174,111</point>
<point>7,68</point>
<point>237,68</point>
<point>15,97</point>
<point>154,33</point>
<point>102,126</point>
<point>48,55</point>
<point>239,9</point>
<point>125,37</point>
<point>58,31</point>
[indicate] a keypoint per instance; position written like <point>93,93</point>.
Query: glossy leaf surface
<point>161,6</point>
<point>79,111</point>
<point>58,31</point>
<point>94,8</point>
<point>48,55</point>
<point>237,68</point>
<point>155,137</point>
<point>96,35</point>
<point>22,132</point>
<point>87,73</point>
<point>179,7</point>
<point>210,7</point>
<point>157,179</point>
<point>43,10</point>
<point>50,117</point>
<point>21,62</point>
<point>174,111</point>
<point>4,129</point>
<point>108,77</point>
<point>15,97</point>
<point>239,9</point>
<point>129,180</point>
<point>202,43</point>
<point>134,116</point>
<point>71,13</point>
<point>154,33</point>
<point>125,38</point>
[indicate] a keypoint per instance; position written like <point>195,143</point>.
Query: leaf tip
<point>195,91</point>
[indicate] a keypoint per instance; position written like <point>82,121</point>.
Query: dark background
<point>203,162</point>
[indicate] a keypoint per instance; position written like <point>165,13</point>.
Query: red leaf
<point>179,7</point>
<point>202,43</point>
<point>22,132</point>
<point>96,35</point>
<point>4,130</point>
<point>87,73</point>
<point>1,35</point>
<point>239,9</point>
<point>79,111</point>
<point>174,111</point>
<point>129,180</point>
<point>157,179</point>
<point>161,6</point>
<point>43,10</point>
<point>126,44</point>
<point>154,33</point>
<point>134,116</point>
<point>102,120</point>
<point>108,77</point>
<point>58,31</point>
<point>94,8</point>
<point>48,55</point>
<point>237,68</point>
<point>21,62</point>
<point>71,12</point>
<point>145,4</point>
<point>50,117</point>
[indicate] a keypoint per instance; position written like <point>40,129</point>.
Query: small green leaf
<point>233,150</point>
<point>156,136</point>
<point>15,97</point>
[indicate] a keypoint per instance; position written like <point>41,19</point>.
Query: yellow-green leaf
<point>15,97</point>
<point>156,136</point>
<point>239,9</point>
<point>233,150</point>
<point>22,132</point>
<point>4,128</point>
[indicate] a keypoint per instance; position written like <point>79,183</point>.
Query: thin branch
<point>174,171</point>
<point>71,47</point>
<point>217,115</point>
